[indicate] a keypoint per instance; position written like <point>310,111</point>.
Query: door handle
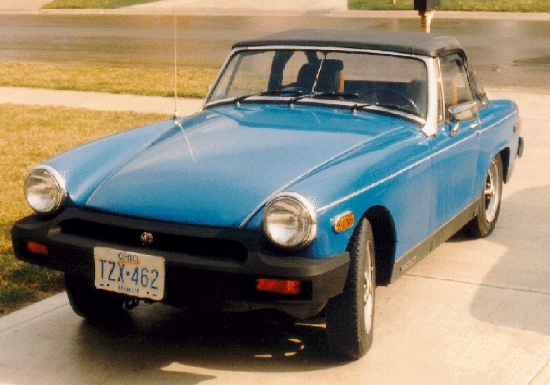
<point>454,129</point>
<point>475,124</point>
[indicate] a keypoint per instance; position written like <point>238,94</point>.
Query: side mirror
<point>463,112</point>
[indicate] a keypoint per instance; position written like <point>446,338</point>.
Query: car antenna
<point>175,65</point>
<point>176,116</point>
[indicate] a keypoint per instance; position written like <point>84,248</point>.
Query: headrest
<point>333,64</point>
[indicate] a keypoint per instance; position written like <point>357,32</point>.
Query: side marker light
<point>279,286</point>
<point>343,221</point>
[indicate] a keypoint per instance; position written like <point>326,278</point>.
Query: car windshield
<point>393,82</point>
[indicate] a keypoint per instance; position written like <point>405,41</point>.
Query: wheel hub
<point>368,290</point>
<point>491,193</point>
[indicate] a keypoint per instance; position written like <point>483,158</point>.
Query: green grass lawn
<point>28,136</point>
<point>156,82</point>
<point>458,5</point>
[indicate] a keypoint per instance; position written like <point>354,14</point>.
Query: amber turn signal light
<point>343,222</point>
<point>279,286</point>
<point>37,248</point>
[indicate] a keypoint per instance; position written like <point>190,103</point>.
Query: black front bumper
<point>205,267</point>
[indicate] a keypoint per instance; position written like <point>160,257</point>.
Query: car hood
<point>224,163</point>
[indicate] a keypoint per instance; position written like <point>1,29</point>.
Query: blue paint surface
<point>229,160</point>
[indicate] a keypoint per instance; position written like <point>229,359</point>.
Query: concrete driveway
<point>207,5</point>
<point>473,312</point>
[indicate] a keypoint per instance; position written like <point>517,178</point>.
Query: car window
<point>390,81</point>
<point>293,66</point>
<point>246,74</point>
<point>456,88</point>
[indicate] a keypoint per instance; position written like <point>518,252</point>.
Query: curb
<point>319,12</point>
<point>19,318</point>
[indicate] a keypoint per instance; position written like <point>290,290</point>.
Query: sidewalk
<point>104,101</point>
<point>101,101</point>
<point>315,8</point>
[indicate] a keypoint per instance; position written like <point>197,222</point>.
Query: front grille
<point>118,235</point>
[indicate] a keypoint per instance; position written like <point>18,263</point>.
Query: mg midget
<point>322,164</point>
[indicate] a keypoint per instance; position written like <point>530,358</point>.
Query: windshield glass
<point>394,82</point>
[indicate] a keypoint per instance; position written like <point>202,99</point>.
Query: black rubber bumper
<point>192,280</point>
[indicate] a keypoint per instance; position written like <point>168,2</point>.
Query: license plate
<point>135,274</point>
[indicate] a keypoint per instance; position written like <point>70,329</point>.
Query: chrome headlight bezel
<point>300,216</point>
<point>45,190</point>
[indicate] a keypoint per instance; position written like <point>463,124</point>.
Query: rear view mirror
<point>463,112</point>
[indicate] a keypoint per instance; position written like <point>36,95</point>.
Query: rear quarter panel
<point>497,132</point>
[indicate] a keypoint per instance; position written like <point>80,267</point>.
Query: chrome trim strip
<point>397,173</point>
<point>324,48</point>
<point>431,122</point>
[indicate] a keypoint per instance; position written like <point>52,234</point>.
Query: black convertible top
<point>414,43</point>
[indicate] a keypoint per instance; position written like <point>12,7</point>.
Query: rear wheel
<point>350,315</point>
<point>489,207</point>
<point>89,302</point>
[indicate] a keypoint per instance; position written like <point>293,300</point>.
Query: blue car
<point>323,163</point>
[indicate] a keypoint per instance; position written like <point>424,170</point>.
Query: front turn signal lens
<point>343,222</point>
<point>279,286</point>
<point>37,248</point>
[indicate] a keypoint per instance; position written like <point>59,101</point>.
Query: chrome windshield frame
<point>428,125</point>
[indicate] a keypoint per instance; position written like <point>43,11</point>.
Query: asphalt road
<point>503,52</point>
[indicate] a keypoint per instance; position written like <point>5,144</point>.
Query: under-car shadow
<point>153,337</point>
<point>516,291</point>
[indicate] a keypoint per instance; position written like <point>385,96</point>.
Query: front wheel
<point>350,315</point>
<point>89,302</point>
<point>489,204</point>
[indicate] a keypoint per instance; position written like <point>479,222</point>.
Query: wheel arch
<point>383,229</point>
<point>505,158</point>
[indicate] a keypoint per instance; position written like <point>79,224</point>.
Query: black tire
<point>489,204</point>
<point>89,302</point>
<point>350,315</point>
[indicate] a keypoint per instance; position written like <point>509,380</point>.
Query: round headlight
<point>45,189</point>
<point>290,221</point>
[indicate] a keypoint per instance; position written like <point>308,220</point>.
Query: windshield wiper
<point>282,92</point>
<point>328,95</point>
<point>397,107</point>
<point>334,94</point>
<point>291,93</point>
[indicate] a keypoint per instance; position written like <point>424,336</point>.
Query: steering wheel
<point>381,94</point>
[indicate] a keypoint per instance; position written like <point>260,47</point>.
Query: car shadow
<point>516,291</point>
<point>194,348</point>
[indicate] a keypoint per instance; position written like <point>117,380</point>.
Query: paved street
<point>503,52</point>
<point>472,312</point>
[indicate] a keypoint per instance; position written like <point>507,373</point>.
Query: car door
<point>457,141</point>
